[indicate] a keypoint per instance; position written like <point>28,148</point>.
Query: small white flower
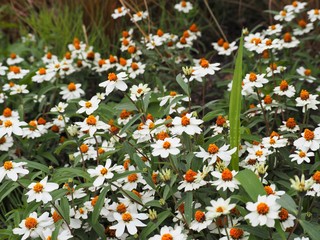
<point>168,232</point>
<point>264,211</point>
<point>301,156</point>
<point>12,170</point>
<point>219,207</point>
<point>313,15</point>
<point>308,140</point>
<point>115,81</point>
<point>306,74</point>
<point>183,6</point>
<point>89,106</point>
<point>187,124</point>
<point>285,89</point>
<point>139,16</point>
<point>119,12</point>
<point>72,91</point>
<point>215,152</point>
<point>129,221</point>
<point>166,147</point>
<point>10,126</point>
<point>92,124</point>
<point>307,101</point>
<point>205,68</point>
<point>40,191</point>
<point>225,180</point>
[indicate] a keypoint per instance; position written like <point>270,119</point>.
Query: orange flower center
<point>284,85</point>
<point>204,63</point>
<point>193,28</point>
<point>38,187</point>
<point>112,77</point>
<point>302,23</point>
<point>2,140</point>
<point>14,69</point>
<point>181,208</point>
<point>267,99</point>
<point>124,114</point>
<point>236,233</point>
<point>302,154</point>
<point>269,42</point>
<point>126,217</point>
<point>7,112</point>
<point>212,149</point>
<point>259,153</point>
<point>252,161</point>
<point>273,66</point>
<point>252,77</point>
<point>81,211</point>
<point>88,104</point>
<point>84,148</point>
<point>283,13</point>
<point>226,175</point>
<point>31,223</point>
<point>200,216</point>
<point>308,134</point>
<point>160,33</point>
<point>72,87</point>
<point>183,40</point>
<point>122,62</point>
<point>183,4</point>
<point>154,177</point>
<point>262,208</point>
<point>13,55</point>
<point>220,121</point>
<point>94,200</point>
<point>101,62</point>
<point>7,165</point>
<point>291,123</point>
<point>131,49</point>
<point>256,41</point>
<point>49,55</point>
<point>91,120</point>
<point>68,55</point>
<point>272,141</point>
<point>7,123</point>
<point>173,93</point>
<point>268,190</point>
<point>307,72</point>
<point>119,10</point>
<point>167,236</point>
<point>226,45</point>
<point>162,135</point>
<point>295,3</point>
<point>283,214</point>
<point>304,94</point>
<point>287,37</point>
<point>220,42</point>
<point>121,208</point>
<point>133,177</point>
<point>90,56</point>
<point>273,27</point>
<point>166,145</point>
<point>316,11</point>
<point>316,176</point>
<point>219,209</point>
<point>185,121</point>
<point>190,175</point>
<point>125,34</point>
<point>56,216</point>
<point>134,66</point>
<point>112,59</point>
<point>33,125</point>
<point>104,171</point>
<point>42,71</point>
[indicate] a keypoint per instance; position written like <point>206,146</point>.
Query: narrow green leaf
<point>235,107</point>
<point>182,84</point>
<point>251,184</point>
<point>64,145</point>
<point>132,196</point>
<point>146,101</point>
<point>65,207</point>
<point>99,205</point>
<point>6,188</point>
<point>151,226</point>
<point>56,230</point>
<point>280,230</point>
<point>188,206</point>
<point>311,229</point>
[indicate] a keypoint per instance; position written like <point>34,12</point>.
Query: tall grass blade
<point>235,107</point>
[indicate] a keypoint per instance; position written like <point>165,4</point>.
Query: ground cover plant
<point>161,138</point>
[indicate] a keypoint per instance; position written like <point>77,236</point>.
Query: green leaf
<point>146,101</point>
<point>6,188</point>
<point>64,145</point>
<point>251,184</point>
<point>98,228</point>
<point>132,196</point>
<point>288,203</point>
<point>65,207</point>
<point>151,226</point>
<point>235,107</point>
<point>99,205</point>
<point>311,229</point>
<point>56,230</point>
<point>188,206</point>
<point>182,84</point>
<point>280,230</point>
